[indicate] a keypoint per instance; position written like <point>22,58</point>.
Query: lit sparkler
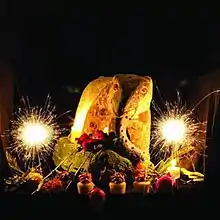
<point>175,129</point>
<point>34,131</point>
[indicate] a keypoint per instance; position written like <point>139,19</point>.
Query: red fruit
<point>97,194</point>
<point>165,182</point>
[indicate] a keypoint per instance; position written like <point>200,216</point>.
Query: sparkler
<point>34,131</point>
<point>175,129</point>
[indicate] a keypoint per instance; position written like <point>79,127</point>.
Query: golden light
<point>106,130</point>
<point>174,130</point>
<point>174,170</point>
<point>35,134</point>
<point>78,124</point>
<point>34,131</point>
<point>173,163</point>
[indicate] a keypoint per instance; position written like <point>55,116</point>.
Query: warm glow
<point>174,130</point>
<point>34,131</point>
<point>79,121</point>
<point>173,163</point>
<point>78,124</point>
<point>35,134</point>
<point>173,170</point>
<point>106,130</point>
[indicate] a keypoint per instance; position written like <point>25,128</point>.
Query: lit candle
<point>75,133</point>
<point>174,170</point>
<point>106,130</point>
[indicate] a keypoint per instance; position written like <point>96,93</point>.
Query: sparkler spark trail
<point>34,131</point>
<point>174,129</point>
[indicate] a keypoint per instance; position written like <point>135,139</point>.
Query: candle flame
<point>106,130</point>
<point>173,163</point>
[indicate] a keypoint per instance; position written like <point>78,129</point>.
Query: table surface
<point>70,202</point>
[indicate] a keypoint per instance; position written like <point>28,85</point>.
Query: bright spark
<point>174,129</point>
<point>35,134</point>
<point>34,131</point>
<point>173,163</point>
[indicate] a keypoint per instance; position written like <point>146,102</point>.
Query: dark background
<point>58,48</point>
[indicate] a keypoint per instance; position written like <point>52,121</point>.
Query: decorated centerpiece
<point>111,127</point>
<point>117,184</point>
<point>112,131</point>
